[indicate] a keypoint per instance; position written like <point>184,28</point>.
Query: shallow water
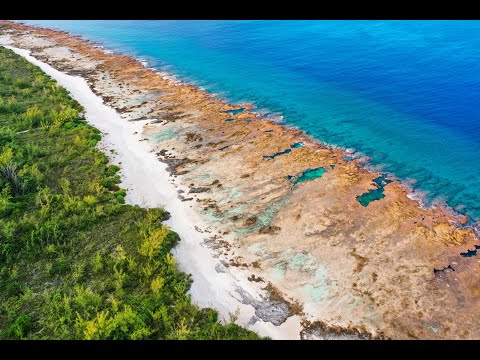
<point>374,194</point>
<point>404,93</point>
<point>235,111</point>
<point>310,174</point>
<point>279,153</point>
<point>161,136</point>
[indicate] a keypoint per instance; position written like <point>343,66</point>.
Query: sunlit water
<point>405,93</point>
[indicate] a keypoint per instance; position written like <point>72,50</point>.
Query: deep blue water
<point>406,93</point>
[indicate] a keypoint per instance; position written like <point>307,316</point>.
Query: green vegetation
<point>75,261</point>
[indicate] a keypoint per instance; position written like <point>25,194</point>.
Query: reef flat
<point>340,246</point>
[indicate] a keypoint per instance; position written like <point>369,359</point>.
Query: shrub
<point>74,262</point>
<point>120,196</point>
<point>9,174</point>
<point>111,183</point>
<point>6,136</point>
<point>31,178</point>
<point>5,198</point>
<point>64,115</point>
<point>33,116</point>
<point>20,327</point>
<point>112,170</point>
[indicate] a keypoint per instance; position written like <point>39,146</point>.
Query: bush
<point>112,170</point>
<point>20,327</point>
<point>75,263</point>
<point>33,116</point>
<point>111,183</point>
<point>31,178</point>
<point>120,196</point>
<point>6,136</point>
<point>9,175</point>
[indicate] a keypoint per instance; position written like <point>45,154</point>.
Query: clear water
<point>404,93</point>
<point>374,194</point>
<point>301,261</point>
<point>469,253</point>
<point>271,157</point>
<point>161,136</point>
<point>279,270</point>
<point>310,174</point>
<point>235,111</point>
<point>316,293</point>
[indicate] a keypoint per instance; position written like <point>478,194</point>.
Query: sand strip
<point>148,184</point>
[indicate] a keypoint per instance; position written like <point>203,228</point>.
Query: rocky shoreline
<point>353,270</point>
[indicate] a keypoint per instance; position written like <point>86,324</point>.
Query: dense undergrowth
<point>75,261</point>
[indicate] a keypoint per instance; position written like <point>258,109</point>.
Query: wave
<point>167,71</point>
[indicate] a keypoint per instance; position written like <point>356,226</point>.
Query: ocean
<point>404,93</point>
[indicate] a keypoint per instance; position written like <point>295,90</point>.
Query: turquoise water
<point>161,136</point>
<point>310,174</point>
<point>404,93</point>
<point>374,194</point>
<point>235,111</point>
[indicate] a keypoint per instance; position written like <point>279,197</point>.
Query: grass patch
<point>75,261</point>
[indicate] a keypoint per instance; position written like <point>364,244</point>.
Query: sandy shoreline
<point>378,270</point>
<point>148,185</point>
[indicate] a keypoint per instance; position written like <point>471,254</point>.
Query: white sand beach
<point>149,184</point>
